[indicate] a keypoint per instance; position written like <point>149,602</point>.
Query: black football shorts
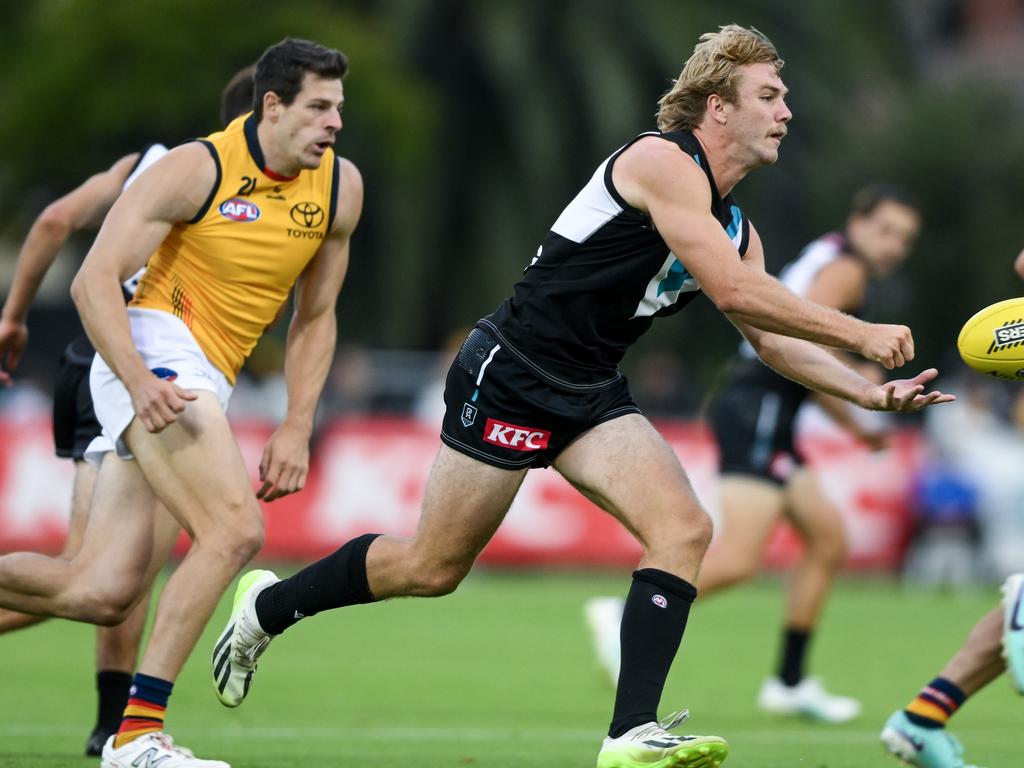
<point>753,427</point>
<point>498,412</point>
<point>74,421</point>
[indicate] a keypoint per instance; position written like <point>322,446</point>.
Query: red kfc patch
<point>515,437</point>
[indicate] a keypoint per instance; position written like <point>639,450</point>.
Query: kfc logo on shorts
<point>515,437</point>
<point>239,209</point>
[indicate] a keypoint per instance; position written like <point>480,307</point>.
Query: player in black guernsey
<point>74,421</point>
<point>761,475</point>
<point>536,384</point>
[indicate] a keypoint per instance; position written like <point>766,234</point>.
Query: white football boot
<point>1013,630</point>
<point>651,746</point>
<point>153,749</point>
<point>243,640</point>
<point>808,698</point>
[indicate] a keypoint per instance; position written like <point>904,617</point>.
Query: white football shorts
<point>170,352</point>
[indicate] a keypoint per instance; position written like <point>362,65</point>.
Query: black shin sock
<point>112,697</point>
<point>335,581</point>
<point>652,627</point>
<point>794,651</point>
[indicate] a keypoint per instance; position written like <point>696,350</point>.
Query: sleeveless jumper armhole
<point>335,180</point>
<point>216,183</point>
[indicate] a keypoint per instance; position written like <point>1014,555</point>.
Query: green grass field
<point>501,675</point>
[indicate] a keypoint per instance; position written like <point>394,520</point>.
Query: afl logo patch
<point>239,209</point>
<point>659,601</point>
<point>164,373</point>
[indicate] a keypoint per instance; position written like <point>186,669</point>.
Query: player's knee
<point>830,549</point>
<point>106,605</point>
<point>243,544</point>
<point>440,580</point>
<point>687,533</point>
<point>238,538</point>
<point>250,541</point>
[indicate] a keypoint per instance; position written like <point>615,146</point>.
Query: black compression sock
<point>652,627</point>
<point>794,651</point>
<point>112,697</point>
<point>335,581</point>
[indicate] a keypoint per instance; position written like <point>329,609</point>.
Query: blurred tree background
<point>475,121</point>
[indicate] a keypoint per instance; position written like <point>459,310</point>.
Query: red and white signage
<point>369,475</point>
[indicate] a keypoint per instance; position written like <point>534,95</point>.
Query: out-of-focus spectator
<point>946,528</point>
<point>260,392</point>
<point>349,389</point>
<point>983,439</point>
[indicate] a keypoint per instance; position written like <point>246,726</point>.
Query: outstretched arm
<point>654,176</point>
<point>818,369</point>
<point>82,208</point>
<point>310,349</point>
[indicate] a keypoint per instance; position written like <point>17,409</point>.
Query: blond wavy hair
<point>713,68</point>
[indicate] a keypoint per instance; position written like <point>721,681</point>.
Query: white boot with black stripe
<point>651,746</point>
<point>242,642</point>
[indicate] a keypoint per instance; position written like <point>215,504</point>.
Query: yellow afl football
<point>992,341</point>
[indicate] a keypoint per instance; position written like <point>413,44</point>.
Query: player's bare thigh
<point>628,469</point>
<point>463,505</point>
<point>196,469</point>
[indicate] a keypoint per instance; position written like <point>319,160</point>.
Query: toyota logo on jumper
<point>307,215</point>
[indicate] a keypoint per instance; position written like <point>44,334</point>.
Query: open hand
<point>906,395</point>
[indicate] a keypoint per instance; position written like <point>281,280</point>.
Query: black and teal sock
<point>935,704</point>
<point>333,582</point>
<point>794,651</point>
<point>147,705</point>
<point>653,621</point>
<point>112,688</point>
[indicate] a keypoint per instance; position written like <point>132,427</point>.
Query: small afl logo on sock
<point>659,601</point>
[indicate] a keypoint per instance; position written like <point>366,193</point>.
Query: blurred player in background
<point>917,734</point>
<point>74,421</point>
<point>227,226</point>
<point>536,383</point>
<point>762,477</point>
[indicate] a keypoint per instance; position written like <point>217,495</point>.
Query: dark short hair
<point>283,66</point>
<point>236,99</point>
<point>868,198</point>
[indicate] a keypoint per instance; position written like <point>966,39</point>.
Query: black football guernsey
<point>598,280</point>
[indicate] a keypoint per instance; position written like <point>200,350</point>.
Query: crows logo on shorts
<point>515,437</point>
<point>164,373</point>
